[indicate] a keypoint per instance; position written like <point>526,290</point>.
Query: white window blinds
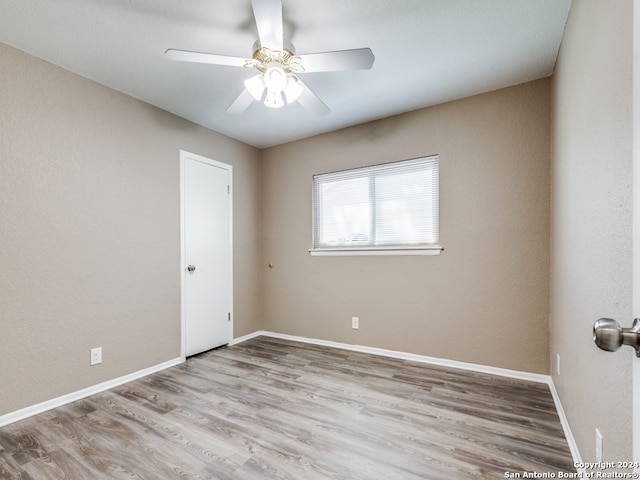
<point>394,205</point>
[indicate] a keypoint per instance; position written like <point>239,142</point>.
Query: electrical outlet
<point>558,364</point>
<point>598,446</point>
<point>96,356</point>
<point>355,323</point>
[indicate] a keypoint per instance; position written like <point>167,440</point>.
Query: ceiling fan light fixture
<point>275,78</point>
<point>293,90</point>
<point>255,86</point>
<point>274,99</point>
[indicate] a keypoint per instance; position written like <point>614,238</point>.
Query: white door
<point>636,225</point>
<point>206,254</point>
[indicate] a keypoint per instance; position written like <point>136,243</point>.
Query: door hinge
<point>228,188</point>
<point>229,316</point>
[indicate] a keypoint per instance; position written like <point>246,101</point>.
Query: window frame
<point>368,249</point>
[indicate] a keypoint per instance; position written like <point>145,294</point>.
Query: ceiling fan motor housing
<point>264,57</point>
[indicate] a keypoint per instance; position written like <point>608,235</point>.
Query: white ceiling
<point>427,52</point>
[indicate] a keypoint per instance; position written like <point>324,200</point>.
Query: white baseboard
<point>443,362</point>
<point>503,372</point>
<point>85,392</point>
<point>573,446</point>
<point>244,338</point>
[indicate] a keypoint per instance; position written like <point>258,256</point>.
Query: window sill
<point>329,252</point>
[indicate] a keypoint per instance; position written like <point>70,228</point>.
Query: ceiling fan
<point>278,66</point>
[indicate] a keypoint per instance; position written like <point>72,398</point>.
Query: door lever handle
<point>610,336</point>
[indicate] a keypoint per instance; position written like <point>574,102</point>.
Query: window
<point>382,209</point>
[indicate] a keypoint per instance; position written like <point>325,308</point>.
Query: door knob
<point>191,268</point>
<point>610,336</point>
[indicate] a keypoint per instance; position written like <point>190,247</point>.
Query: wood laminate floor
<point>276,409</point>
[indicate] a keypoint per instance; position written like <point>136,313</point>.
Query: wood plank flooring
<point>276,409</point>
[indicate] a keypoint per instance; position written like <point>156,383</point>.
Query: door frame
<point>184,156</point>
<point>635,183</point>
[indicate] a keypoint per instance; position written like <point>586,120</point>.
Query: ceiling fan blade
<point>198,57</point>
<point>241,103</point>
<point>311,102</point>
<point>268,15</point>
<point>357,59</point>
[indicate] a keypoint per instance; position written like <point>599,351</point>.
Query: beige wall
<point>485,299</point>
<point>90,234</point>
<point>591,240</point>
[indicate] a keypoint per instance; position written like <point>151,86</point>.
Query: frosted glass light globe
<point>275,78</point>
